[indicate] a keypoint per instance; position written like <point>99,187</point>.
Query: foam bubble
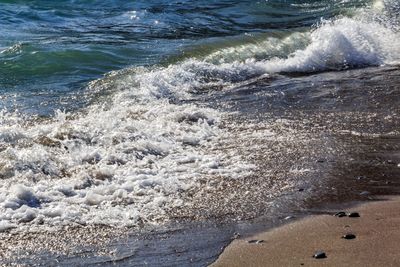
<point>378,5</point>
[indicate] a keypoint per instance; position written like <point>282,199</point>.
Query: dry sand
<point>377,241</point>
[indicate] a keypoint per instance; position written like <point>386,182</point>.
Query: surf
<point>130,155</point>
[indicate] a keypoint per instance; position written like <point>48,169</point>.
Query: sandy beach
<point>376,240</point>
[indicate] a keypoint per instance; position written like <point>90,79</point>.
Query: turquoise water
<point>50,50</point>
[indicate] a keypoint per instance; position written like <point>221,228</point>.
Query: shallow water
<point>145,114</point>
<point>327,151</point>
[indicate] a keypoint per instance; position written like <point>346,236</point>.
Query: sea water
<point>106,106</point>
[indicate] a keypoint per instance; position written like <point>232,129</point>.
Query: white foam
<point>369,38</point>
<point>340,44</point>
<point>123,162</point>
<point>378,5</point>
<point>5,225</point>
<point>14,49</point>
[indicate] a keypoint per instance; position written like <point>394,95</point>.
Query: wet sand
<point>294,244</point>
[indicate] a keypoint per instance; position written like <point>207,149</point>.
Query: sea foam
<point>369,38</point>
<point>341,44</point>
<point>131,157</point>
<point>122,162</point>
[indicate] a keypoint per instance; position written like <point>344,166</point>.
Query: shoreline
<point>325,158</point>
<point>293,244</point>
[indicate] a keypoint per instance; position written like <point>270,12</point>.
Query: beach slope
<point>376,241</point>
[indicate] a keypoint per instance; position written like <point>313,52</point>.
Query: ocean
<point>142,115</point>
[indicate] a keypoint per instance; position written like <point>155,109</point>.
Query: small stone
<point>255,241</point>
<point>301,189</point>
<point>288,217</point>
<point>320,160</point>
<point>353,215</point>
<point>348,236</point>
<point>319,255</point>
<point>340,214</point>
<point>364,193</point>
<point>236,235</point>
<point>360,178</point>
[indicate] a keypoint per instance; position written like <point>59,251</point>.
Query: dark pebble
<point>354,215</point>
<point>340,214</point>
<point>301,189</point>
<point>320,160</point>
<point>348,236</point>
<point>319,255</point>
<point>236,235</point>
<point>254,241</point>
